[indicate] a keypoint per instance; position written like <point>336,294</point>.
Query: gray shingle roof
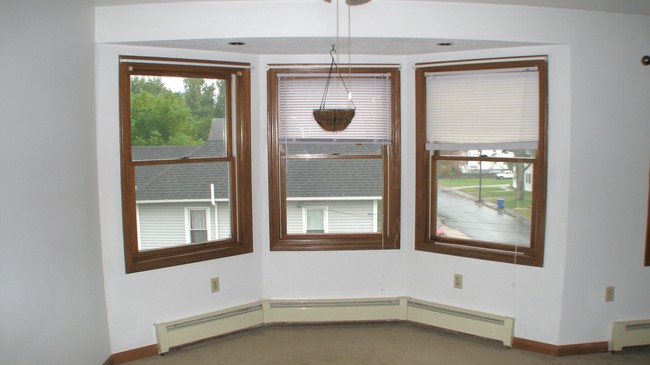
<point>305,178</point>
<point>334,178</point>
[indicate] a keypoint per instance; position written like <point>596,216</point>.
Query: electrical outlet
<point>609,294</point>
<point>214,284</point>
<point>458,281</point>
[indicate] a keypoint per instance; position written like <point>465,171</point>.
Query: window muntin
<point>348,173</point>
<point>185,170</point>
<point>481,159</point>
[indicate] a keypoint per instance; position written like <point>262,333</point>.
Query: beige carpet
<point>388,343</point>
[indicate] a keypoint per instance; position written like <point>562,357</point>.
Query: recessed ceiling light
<point>236,43</point>
<point>445,44</point>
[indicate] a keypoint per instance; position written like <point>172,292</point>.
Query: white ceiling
<point>312,46</point>
<point>373,46</point>
<point>641,7</point>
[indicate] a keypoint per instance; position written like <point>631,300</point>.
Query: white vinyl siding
<point>164,224</point>
<point>223,220</point>
<point>347,216</point>
<point>161,225</point>
<point>351,217</point>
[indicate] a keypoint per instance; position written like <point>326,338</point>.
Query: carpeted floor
<point>386,343</point>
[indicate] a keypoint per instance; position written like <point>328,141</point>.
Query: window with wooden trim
<point>334,190</point>
<point>481,142</point>
<point>185,161</point>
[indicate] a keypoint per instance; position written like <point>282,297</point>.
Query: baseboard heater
<point>201,327</point>
<point>192,329</point>
<point>462,320</point>
<point>300,311</point>
<point>630,333</point>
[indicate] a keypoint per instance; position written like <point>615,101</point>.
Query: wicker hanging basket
<point>333,119</point>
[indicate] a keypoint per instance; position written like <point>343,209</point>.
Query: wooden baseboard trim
<point>562,350</point>
<point>131,355</point>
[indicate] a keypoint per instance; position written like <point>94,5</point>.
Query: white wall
<point>136,301</point>
<point>611,110</point>
<point>52,306</point>
<point>561,303</point>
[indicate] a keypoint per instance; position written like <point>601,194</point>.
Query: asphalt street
<point>481,222</point>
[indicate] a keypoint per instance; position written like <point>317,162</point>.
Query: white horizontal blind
<point>300,94</point>
<point>486,109</point>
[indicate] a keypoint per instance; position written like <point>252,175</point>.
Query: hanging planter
<point>334,119</point>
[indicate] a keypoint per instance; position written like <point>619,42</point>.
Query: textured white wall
<point>595,224</point>
<point>52,306</point>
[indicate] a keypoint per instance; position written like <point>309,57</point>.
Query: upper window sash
<point>299,94</point>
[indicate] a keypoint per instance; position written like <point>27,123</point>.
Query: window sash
<point>482,109</point>
<point>238,154</point>
<point>300,94</point>
<point>284,238</point>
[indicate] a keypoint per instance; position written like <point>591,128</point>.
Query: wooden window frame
<point>280,240</point>
<point>426,235</point>
<point>241,241</point>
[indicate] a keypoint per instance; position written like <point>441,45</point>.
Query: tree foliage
<point>160,116</point>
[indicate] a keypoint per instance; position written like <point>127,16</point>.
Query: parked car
<point>505,175</point>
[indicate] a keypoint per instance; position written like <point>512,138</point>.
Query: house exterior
<point>187,203</point>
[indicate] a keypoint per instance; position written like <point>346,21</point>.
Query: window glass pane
<point>482,205</point>
<point>184,115</point>
<point>315,221</point>
<point>199,236</point>
<point>165,192</point>
<point>197,219</point>
<point>347,188</point>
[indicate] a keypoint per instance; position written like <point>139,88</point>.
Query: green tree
<point>151,85</point>
<point>159,116</point>
<point>221,100</point>
<point>206,102</point>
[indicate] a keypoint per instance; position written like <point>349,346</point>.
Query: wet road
<point>481,222</point>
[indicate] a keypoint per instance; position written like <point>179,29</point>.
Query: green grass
<point>469,182</point>
<point>491,195</point>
